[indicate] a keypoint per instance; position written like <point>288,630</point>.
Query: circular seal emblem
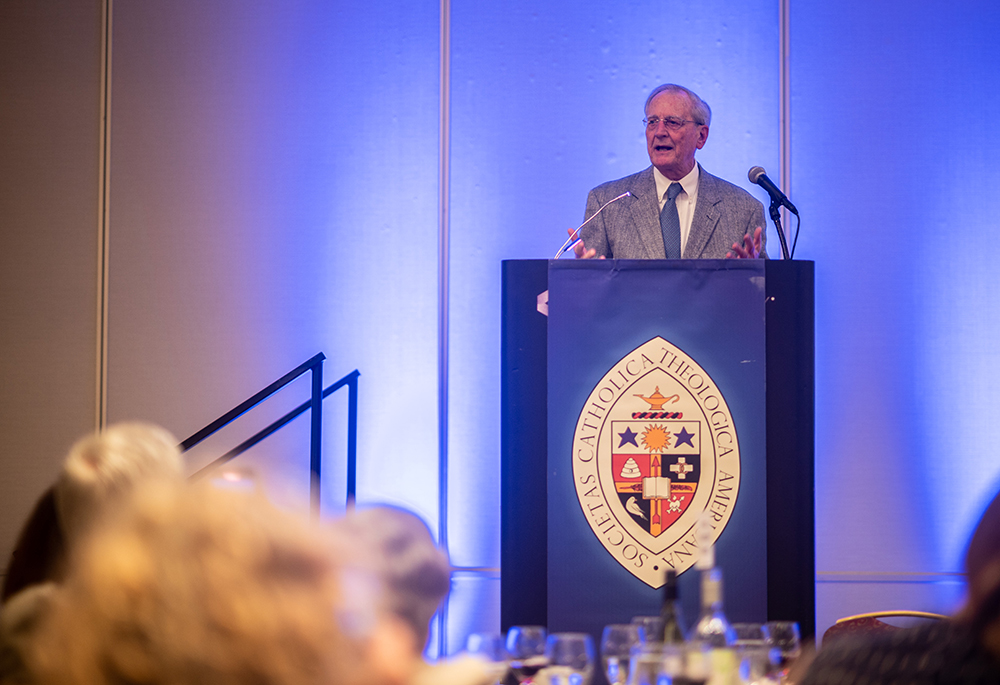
<point>655,450</point>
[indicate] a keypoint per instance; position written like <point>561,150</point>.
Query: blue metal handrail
<point>315,402</point>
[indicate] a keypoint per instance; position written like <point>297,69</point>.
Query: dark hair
<point>40,552</point>
<point>982,567</point>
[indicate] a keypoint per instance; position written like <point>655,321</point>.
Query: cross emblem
<point>682,468</point>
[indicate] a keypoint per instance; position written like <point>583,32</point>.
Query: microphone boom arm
<point>571,241</point>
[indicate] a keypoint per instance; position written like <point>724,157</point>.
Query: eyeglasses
<point>672,123</point>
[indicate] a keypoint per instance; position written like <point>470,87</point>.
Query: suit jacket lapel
<point>706,215</point>
<point>646,214</point>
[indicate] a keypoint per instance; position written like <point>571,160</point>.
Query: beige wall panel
<point>49,190</point>
<point>250,227</point>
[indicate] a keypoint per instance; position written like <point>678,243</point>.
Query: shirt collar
<point>689,183</point>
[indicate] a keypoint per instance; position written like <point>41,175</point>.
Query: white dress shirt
<point>685,200</point>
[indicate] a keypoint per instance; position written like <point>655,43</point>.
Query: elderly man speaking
<point>675,209</point>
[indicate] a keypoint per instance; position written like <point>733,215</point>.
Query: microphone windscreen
<point>755,173</point>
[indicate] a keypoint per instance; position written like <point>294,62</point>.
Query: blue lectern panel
<point>656,417</point>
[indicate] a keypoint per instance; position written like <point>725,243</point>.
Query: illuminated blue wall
<point>547,103</point>
<point>894,162</point>
<point>274,193</point>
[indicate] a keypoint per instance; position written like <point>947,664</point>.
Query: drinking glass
<point>652,627</point>
<point>749,634</point>
<point>784,645</point>
<point>570,658</point>
<point>752,651</point>
<point>526,647</point>
<point>617,642</point>
<point>491,650</point>
<point>654,663</point>
<point>645,663</point>
<point>698,664</point>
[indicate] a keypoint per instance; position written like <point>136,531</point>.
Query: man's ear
<point>702,136</point>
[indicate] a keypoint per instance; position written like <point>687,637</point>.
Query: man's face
<point>672,152</point>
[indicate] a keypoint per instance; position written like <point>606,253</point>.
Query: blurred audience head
<point>398,548</point>
<point>100,468</point>
<point>98,472</point>
<point>20,619</point>
<point>192,586</point>
<point>982,566</point>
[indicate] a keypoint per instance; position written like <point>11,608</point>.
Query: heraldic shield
<point>656,467</point>
<point>654,450</point>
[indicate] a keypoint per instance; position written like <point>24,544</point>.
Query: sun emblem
<point>656,438</point>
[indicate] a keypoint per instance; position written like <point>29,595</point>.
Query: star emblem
<point>628,437</point>
<point>684,437</point>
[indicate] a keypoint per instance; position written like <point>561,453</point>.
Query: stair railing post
<point>352,441</point>
<point>316,437</point>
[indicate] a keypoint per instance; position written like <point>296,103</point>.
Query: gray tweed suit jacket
<point>630,228</point>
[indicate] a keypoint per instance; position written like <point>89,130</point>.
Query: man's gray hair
<point>700,111</point>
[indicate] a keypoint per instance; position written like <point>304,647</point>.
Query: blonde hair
<point>103,467</point>
<point>198,586</point>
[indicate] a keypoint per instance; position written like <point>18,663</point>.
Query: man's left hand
<point>750,249</point>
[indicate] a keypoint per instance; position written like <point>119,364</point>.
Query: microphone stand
<point>776,218</point>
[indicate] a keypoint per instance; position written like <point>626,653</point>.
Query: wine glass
<point>784,645</point>
<point>652,627</point>
<point>645,664</point>
<point>570,658</point>
<point>616,649</point>
<point>491,650</point>
<point>749,634</point>
<point>698,662</point>
<point>526,647</point>
<point>752,652</point>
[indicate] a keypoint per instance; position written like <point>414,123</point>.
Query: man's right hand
<point>580,250</point>
<point>752,247</point>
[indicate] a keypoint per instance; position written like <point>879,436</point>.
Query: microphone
<point>571,241</point>
<point>759,176</point>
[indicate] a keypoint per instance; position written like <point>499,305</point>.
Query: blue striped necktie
<point>670,223</point>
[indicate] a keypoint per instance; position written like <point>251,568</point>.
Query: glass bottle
<point>673,620</point>
<point>712,629</point>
